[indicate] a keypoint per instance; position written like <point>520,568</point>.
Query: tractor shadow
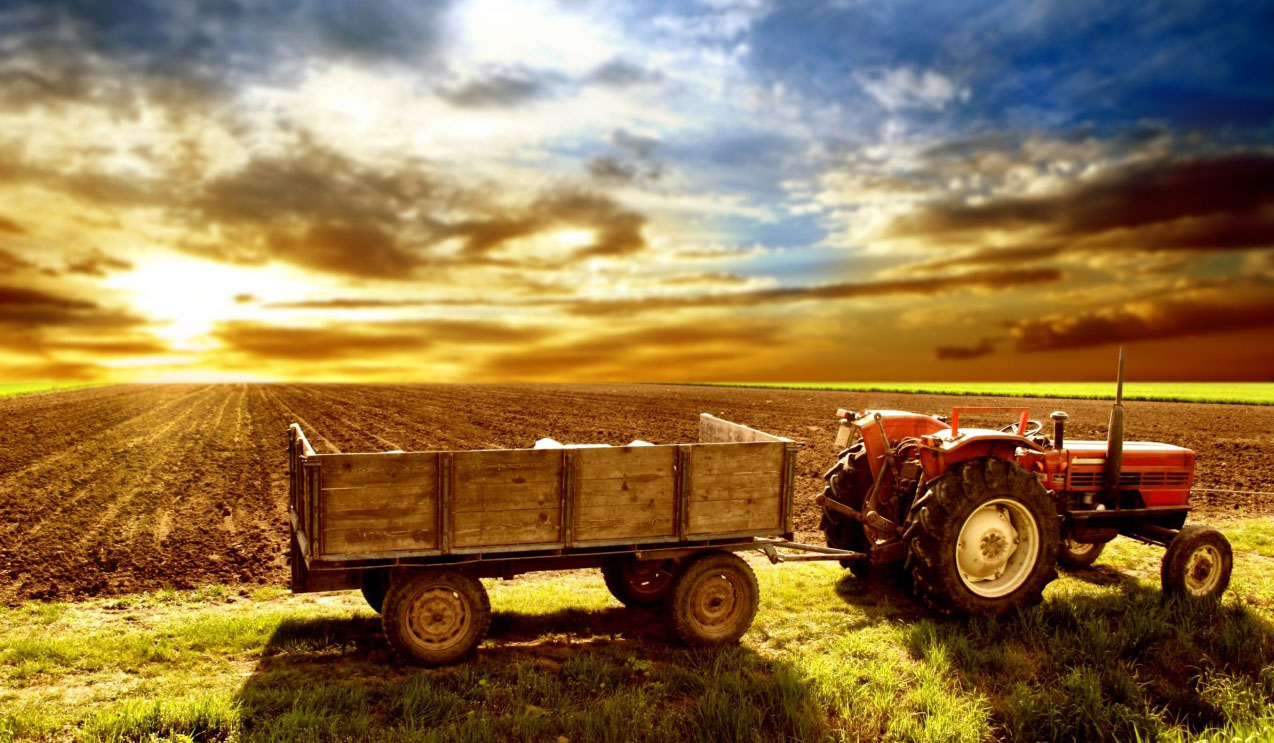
<point>1105,658</point>
<point>582,674</point>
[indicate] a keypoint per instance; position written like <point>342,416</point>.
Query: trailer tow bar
<point>771,550</point>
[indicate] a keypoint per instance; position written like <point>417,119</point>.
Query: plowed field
<point>116,489</point>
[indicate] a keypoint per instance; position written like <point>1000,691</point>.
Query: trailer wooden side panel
<point>623,493</point>
<point>378,503</point>
<point>736,488</point>
<point>506,497</point>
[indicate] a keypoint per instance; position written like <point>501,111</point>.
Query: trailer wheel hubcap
<point>998,547</point>
<point>1203,570</point>
<point>717,602</point>
<point>439,618</point>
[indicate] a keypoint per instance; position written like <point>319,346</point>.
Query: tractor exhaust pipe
<point>1115,436</point>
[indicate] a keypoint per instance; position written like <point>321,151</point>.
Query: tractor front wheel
<point>1076,555</point>
<point>1197,564</point>
<point>984,539</point>
<point>848,482</point>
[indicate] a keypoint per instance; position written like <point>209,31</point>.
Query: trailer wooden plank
<point>362,470</point>
<point>491,528</point>
<point>743,514</point>
<point>353,539</point>
<point>480,497</point>
<point>507,466</point>
<point>714,430</point>
<point>417,498</point>
<point>596,523</point>
<point>717,459</point>
<point>734,487</point>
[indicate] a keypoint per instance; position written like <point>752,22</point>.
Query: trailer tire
<point>375,586</point>
<point>638,583</point>
<point>713,599</point>
<point>435,617</point>
<point>985,539</point>
<point>1079,555</point>
<point>1197,564</point>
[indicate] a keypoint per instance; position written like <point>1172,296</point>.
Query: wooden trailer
<point>415,530</point>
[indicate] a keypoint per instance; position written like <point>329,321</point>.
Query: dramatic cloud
<point>352,340</point>
<point>1238,307</point>
<point>481,189</point>
<point>984,347</point>
<point>1194,204</point>
<point>984,280</point>
<point>500,90</point>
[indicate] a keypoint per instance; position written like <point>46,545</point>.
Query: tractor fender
<point>935,460</point>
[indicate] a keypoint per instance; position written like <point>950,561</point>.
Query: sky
<point>569,190</point>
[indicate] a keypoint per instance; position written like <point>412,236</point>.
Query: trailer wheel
<point>435,617</point>
<point>713,599</point>
<point>1079,554</point>
<point>985,539</point>
<point>638,583</point>
<point>375,586</point>
<point>1197,564</point>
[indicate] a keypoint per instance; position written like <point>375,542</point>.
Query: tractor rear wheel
<point>984,539</point>
<point>435,617</point>
<point>1197,564</point>
<point>846,484</point>
<point>1077,555</point>
<point>638,583</point>
<point>713,599</point>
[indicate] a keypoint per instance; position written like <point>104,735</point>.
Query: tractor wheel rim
<point>998,548</point>
<point>439,618</point>
<point>646,580</point>
<point>1079,549</point>
<point>716,603</point>
<point>1203,570</point>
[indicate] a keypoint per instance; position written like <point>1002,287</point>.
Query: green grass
<point>26,388</point>
<point>1249,393</point>
<point>1104,657</point>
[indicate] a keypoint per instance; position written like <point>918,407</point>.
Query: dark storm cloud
<point>1220,203</point>
<point>1240,306</point>
<point>266,341</point>
<point>636,163</point>
<point>358,250</point>
<point>984,347</point>
<point>118,54</point>
<point>611,169</point>
<point>22,307</point>
<point>501,90</point>
<point>991,280</point>
<point>620,73</point>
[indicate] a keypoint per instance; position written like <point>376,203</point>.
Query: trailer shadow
<point>608,674</point>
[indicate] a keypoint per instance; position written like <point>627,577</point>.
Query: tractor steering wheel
<point>1032,427</point>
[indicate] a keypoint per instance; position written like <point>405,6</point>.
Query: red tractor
<point>979,518</point>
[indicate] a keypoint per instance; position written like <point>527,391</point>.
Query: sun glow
<point>186,297</point>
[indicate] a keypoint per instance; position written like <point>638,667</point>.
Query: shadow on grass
<point>610,674</point>
<point>1113,660</point>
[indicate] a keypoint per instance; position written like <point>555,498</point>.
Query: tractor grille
<point>1096,479</point>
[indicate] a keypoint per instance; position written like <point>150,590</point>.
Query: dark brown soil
<point>117,489</point>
